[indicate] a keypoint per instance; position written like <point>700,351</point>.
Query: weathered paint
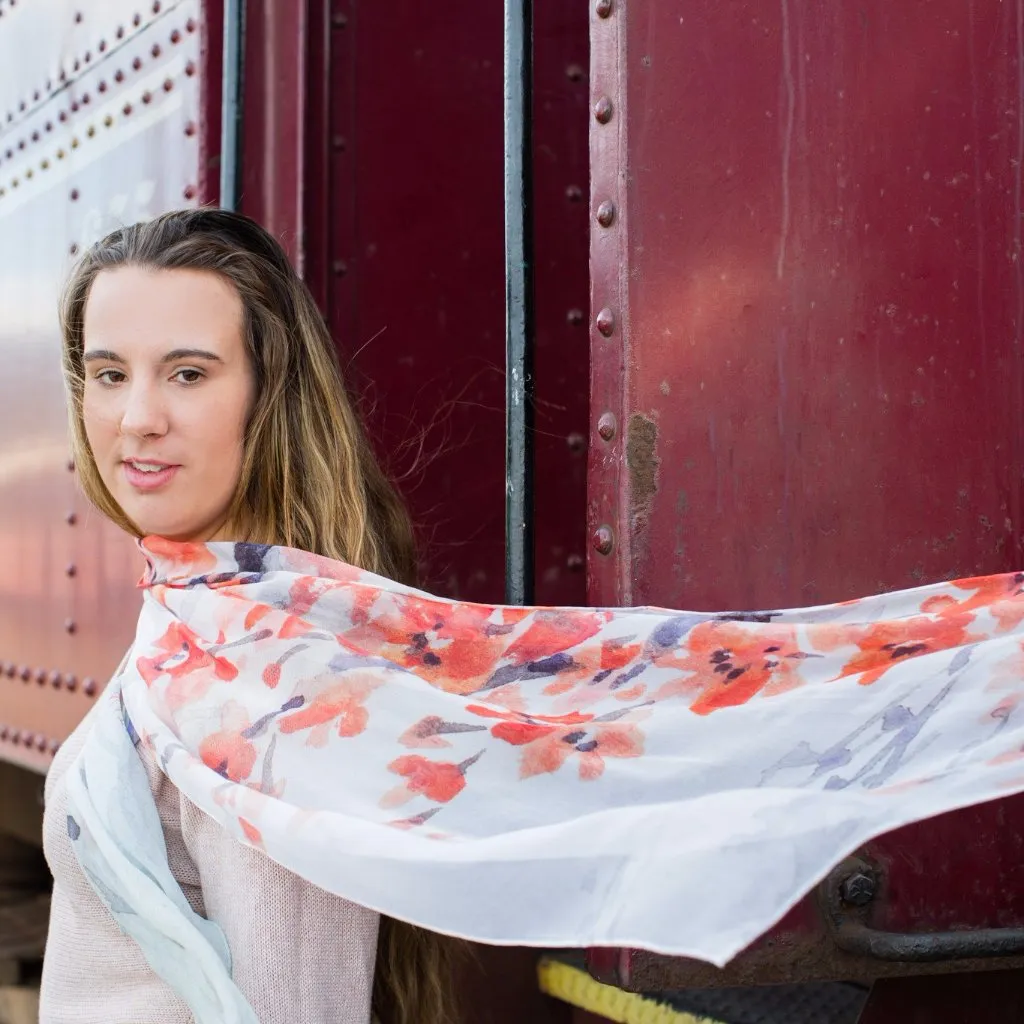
<point>808,309</point>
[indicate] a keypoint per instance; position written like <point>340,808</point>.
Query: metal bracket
<point>847,895</point>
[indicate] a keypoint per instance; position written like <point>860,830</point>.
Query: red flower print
<point>727,663</point>
<point>192,669</point>
<point>170,559</point>
<point>342,701</point>
<point>440,781</point>
<point>885,644</point>
<point>228,751</point>
<point>549,741</point>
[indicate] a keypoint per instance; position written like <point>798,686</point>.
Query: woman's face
<point>168,391</point>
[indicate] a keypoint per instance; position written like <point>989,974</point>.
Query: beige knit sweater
<point>298,953</point>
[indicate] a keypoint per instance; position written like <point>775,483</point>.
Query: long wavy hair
<point>309,477</point>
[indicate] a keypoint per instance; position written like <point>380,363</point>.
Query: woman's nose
<point>144,414</point>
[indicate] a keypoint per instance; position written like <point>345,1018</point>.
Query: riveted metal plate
<point>106,143</point>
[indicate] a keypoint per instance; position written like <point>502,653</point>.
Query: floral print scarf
<point>668,780</point>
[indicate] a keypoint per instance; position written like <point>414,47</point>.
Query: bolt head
<point>603,110</point>
<point>606,214</point>
<point>603,8</point>
<point>606,322</point>
<point>858,889</point>
<point>606,426</point>
<point>603,540</point>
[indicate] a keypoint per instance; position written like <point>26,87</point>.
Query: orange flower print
<point>173,559</point>
<point>726,663</point>
<point>229,751</point>
<point>941,628</point>
<point>342,702</point>
<point>1002,596</point>
<point>440,781</point>
<point>192,669</point>
<point>549,741</point>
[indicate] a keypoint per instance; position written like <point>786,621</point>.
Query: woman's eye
<point>188,376</point>
<point>110,377</point>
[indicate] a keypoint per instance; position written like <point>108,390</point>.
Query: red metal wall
<point>808,306</point>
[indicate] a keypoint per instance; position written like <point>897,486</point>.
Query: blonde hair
<point>309,477</point>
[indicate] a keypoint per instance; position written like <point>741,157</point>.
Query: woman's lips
<point>148,481</point>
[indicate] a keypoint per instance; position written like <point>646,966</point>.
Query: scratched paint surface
<point>819,301</point>
<point>825,298</point>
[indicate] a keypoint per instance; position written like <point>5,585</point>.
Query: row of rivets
<point>26,738</point>
<point>84,99</point>
<point>50,88</point>
<point>42,676</point>
<point>603,538</point>
<point>90,132</point>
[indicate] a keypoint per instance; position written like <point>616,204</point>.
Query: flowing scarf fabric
<point>549,776</point>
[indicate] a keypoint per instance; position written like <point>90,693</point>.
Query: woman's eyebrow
<point>103,354</point>
<point>191,353</point>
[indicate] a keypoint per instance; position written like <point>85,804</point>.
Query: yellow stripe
<point>576,987</point>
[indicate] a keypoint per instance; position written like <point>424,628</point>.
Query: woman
<point>206,402</point>
<point>558,777</point>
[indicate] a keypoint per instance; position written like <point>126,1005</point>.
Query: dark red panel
<point>416,299</point>
<point>808,363</point>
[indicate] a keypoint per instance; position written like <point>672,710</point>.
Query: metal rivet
<point>89,687</point>
<point>156,6</point>
<point>606,322</point>
<point>603,8</point>
<point>603,540</point>
<point>10,669</point>
<point>15,735</point>
<point>573,193</point>
<point>574,563</point>
<point>78,17</point>
<point>340,267</point>
<point>71,570</point>
<point>126,109</point>
<point>606,214</point>
<point>70,626</point>
<point>56,679</point>
<point>339,143</point>
<point>155,50</point>
<point>339,20</point>
<point>71,683</point>
<point>41,675</point>
<point>190,128</point>
<point>102,87</point>
<point>25,673</point>
<point>41,743</point>
<point>54,747</point>
<point>102,46</point>
<point>190,68</point>
<point>574,72</point>
<point>120,32</point>
<point>28,739</point>
<point>73,249</point>
<point>576,442</point>
<point>603,110</point>
<point>119,75</point>
<point>5,732</point>
<point>190,192</point>
<point>168,84</point>
<point>190,25</point>
<point>137,63</point>
<point>175,36</point>
<point>74,196</point>
<point>574,317</point>
<point>147,96</point>
<point>137,20</point>
<point>71,518</point>
<point>606,426</point>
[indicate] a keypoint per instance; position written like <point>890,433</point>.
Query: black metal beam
<point>518,303</point>
<point>231,104</point>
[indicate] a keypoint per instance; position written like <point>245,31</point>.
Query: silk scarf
<point>667,780</point>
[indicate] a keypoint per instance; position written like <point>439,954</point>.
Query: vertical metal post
<point>518,304</point>
<point>231,104</point>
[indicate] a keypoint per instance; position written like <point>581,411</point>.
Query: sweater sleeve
<point>298,952</point>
